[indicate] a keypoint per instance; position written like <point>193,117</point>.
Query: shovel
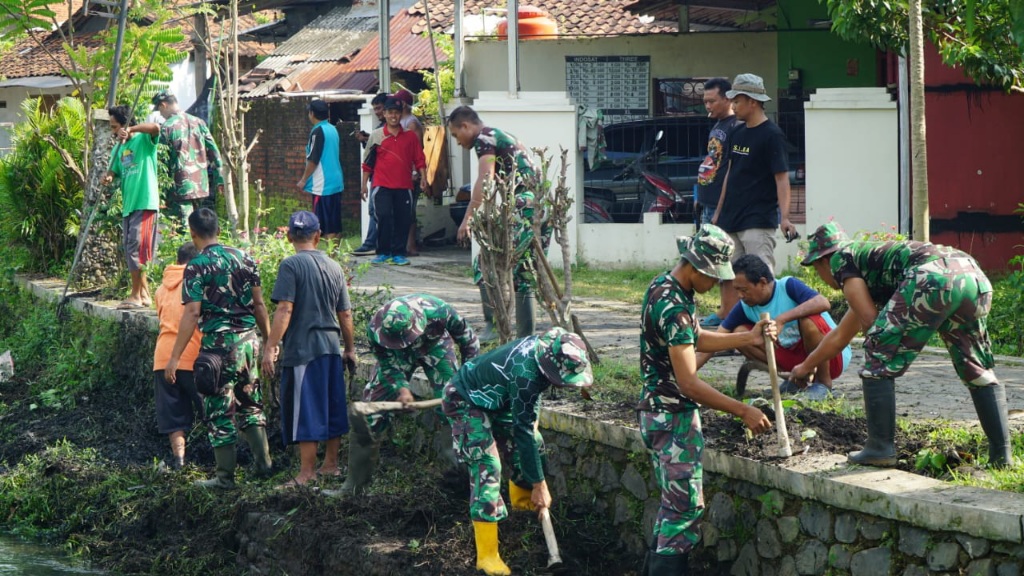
<point>367,408</point>
<point>555,565</point>
<point>785,450</point>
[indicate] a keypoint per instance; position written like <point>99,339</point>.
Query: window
<point>679,96</point>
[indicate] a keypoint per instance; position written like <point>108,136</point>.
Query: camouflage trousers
<point>677,445</point>
<point>524,278</point>
<point>950,296</point>
<point>227,412</point>
<point>439,366</point>
<point>179,210</point>
<point>480,439</point>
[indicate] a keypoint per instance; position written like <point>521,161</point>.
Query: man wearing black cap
<point>313,317</point>
<point>398,154</point>
<point>323,177</point>
<point>195,161</point>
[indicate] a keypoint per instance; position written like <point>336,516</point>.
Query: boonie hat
<point>303,221</point>
<point>393,103</point>
<point>828,238</point>
<point>319,107</point>
<point>398,324</point>
<point>161,97</point>
<point>562,357</point>
<point>709,251</point>
<point>749,85</point>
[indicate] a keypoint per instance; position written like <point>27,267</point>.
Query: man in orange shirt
<point>176,404</point>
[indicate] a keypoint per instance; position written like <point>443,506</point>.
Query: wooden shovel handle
<point>365,408</point>
<point>773,373</point>
<point>549,536</point>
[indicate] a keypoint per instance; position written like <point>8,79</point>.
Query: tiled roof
<point>574,17</point>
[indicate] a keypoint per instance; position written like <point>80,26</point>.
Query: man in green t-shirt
<point>133,159</point>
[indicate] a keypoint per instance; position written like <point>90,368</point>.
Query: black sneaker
<point>364,250</point>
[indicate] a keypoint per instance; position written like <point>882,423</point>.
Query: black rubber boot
<point>990,403</point>
<point>489,334</point>
<point>526,314</point>
<point>880,411</point>
<point>256,436</point>
<point>226,458</point>
<point>645,567</point>
<point>675,565</point>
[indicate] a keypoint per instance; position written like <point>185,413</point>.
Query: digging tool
<point>780,418</point>
<point>554,559</point>
<point>367,408</point>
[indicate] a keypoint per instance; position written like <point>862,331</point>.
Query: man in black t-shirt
<point>755,193</point>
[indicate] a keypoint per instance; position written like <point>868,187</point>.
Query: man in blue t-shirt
<point>323,177</point>
<point>801,317</point>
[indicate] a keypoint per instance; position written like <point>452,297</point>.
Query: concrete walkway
<point>929,390</point>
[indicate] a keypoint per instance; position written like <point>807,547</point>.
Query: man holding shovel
<point>493,404</point>
<point>419,330</point>
<point>314,318</point>
<point>900,295</point>
<point>668,411</point>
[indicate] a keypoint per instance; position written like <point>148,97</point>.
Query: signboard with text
<point>618,85</point>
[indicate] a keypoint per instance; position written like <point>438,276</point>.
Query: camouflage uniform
<point>433,350</point>
<point>922,289</point>
<point>670,422</point>
<point>195,162</point>
<point>222,278</point>
<point>508,152</point>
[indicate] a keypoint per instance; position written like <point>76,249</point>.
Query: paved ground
<point>929,390</point>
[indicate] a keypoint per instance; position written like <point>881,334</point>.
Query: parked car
<point>681,151</point>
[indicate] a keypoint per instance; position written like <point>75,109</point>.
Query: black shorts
<point>328,211</point>
<point>176,404</point>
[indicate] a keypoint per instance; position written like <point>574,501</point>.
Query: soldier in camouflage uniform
<point>668,412</point>
<point>493,404</point>
<point>222,295</point>
<point>499,154</point>
<point>902,293</point>
<point>195,161</point>
<point>419,330</point>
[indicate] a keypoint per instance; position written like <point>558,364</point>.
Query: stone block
<point>726,551</point>
<point>811,558</point>
<point>623,511</point>
<point>709,534</point>
<point>749,490</point>
<point>914,541</point>
<point>789,528</point>
<point>839,557</point>
<point>747,563</point>
<point>915,570</point>
<point>745,515</point>
<point>607,477</point>
<point>767,538</point>
<point>846,528</point>
<point>873,529</point>
<point>1008,569</point>
<point>772,503</point>
<point>634,483</point>
<point>816,521</point>
<point>975,547</point>
<point>943,556</point>
<point>871,562</point>
<point>651,508</point>
<point>1015,550</point>
<point>722,514</point>
<point>983,567</point>
<point>787,567</point>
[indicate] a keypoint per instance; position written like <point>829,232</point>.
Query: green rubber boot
<point>489,334</point>
<point>674,565</point>
<point>990,403</point>
<point>526,314</point>
<point>224,479</point>
<point>256,436</point>
<point>880,411</point>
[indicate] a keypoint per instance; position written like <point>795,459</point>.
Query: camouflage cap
<point>828,238</point>
<point>709,251</point>
<point>398,324</point>
<point>163,96</point>
<point>562,357</point>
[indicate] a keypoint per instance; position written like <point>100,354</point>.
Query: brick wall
<point>280,157</point>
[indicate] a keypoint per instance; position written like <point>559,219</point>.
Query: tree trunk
<point>919,148</point>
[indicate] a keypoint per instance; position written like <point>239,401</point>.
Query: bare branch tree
<point>494,227</point>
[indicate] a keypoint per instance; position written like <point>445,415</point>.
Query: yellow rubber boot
<point>520,497</point>
<point>487,558</point>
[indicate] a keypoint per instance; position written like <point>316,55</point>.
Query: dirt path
<point>929,390</point>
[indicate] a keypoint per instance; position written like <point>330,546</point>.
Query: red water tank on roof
<point>534,23</point>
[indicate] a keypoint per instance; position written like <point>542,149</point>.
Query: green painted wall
<point>821,56</point>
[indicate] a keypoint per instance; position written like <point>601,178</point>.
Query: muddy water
<point>27,559</point>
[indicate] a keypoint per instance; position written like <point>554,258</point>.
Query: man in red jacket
<point>398,157</point>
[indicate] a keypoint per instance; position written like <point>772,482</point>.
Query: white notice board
<point>618,85</point>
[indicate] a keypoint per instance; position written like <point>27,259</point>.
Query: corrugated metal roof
<point>333,36</point>
<point>409,52</point>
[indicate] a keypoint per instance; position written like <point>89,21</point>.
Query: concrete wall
<point>542,62</point>
<point>852,159</point>
<point>10,113</point>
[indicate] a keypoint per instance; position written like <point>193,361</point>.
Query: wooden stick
<point>365,408</point>
<point>549,537</point>
<point>780,418</point>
